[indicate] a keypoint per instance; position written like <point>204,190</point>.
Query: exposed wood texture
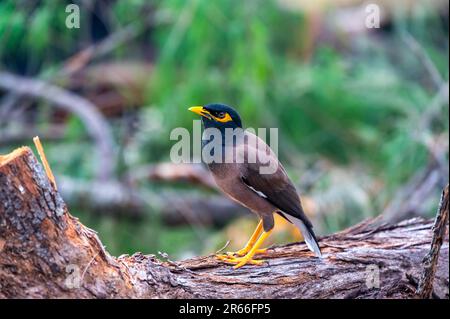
<point>425,289</point>
<point>46,252</point>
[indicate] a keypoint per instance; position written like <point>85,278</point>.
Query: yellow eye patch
<point>225,119</point>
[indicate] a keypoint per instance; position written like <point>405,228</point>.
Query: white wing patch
<point>261,194</point>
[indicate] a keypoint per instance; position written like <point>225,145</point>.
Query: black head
<point>218,115</point>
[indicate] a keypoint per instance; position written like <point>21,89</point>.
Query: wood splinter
<point>48,170</point>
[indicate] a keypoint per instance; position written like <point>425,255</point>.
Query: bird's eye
<point>220,115</point>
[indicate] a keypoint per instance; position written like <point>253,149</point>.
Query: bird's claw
<point>243,252</point>
<point>239,261</point>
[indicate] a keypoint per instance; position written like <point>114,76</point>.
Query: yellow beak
<point>198,110</point>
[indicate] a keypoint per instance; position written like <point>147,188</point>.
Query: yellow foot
<point>239,261</point>
<point>242,252</point>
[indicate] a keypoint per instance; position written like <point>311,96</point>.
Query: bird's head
<point>217,115</point>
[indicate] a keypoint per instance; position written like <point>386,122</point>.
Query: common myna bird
<point>239,172</point>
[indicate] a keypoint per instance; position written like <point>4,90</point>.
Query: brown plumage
<point>239,172</point>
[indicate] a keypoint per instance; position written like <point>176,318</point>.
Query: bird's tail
<point>308,234</point>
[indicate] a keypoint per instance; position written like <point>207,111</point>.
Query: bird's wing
<point>276,188</point>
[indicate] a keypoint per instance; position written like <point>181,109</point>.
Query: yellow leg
<point>248,258</point>
<point>258,231</point>
<point>248,246</point>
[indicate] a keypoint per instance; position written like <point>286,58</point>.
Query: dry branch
<point>45,252</point>
<point>195,174</point>
<point>24,133</point>
<point>95,124</point>
<point>117,199</point>
<point>113,41</point>
<point>425,289</point>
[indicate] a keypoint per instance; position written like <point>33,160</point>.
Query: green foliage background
<point>355,103</point>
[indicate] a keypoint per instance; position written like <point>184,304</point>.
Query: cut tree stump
<point>46,253</point>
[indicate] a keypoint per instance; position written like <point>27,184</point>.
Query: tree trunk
<point>45,252</point>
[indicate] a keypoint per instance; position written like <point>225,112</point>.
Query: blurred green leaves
<point>354,101</point>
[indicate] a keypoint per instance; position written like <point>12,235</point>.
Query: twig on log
<point>425,288</point>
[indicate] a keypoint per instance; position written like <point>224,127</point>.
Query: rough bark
<point>430,261</point>
<point>45,252</point>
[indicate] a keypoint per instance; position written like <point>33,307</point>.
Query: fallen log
<point>45,253</point>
